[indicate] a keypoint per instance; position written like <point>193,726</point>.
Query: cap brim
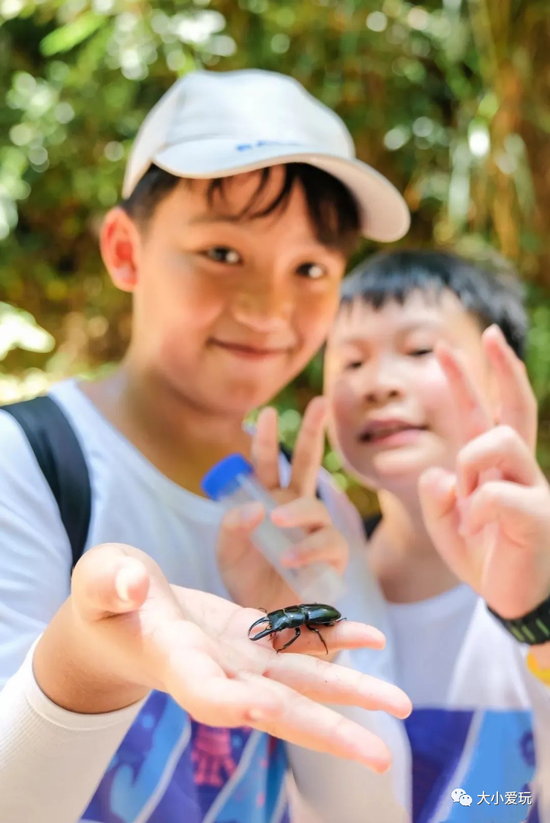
<point>384,213</point>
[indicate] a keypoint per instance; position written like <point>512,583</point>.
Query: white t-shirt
<point>152,762</point>
<point>426,636</point>
<point>481,721</point>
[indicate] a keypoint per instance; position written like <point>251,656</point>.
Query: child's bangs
<point>490,296</point>
<point>332,208</point>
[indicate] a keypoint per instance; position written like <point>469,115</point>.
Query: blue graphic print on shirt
<point>169,769</point>
<point>487,753</point>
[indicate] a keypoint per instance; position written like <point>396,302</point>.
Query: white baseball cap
<point>217,124</point>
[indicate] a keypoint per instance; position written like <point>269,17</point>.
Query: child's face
<point>391,412</point>
<point>226,310</point>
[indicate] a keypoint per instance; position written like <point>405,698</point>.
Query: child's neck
<point>179,439</point>
<point>402,555</point>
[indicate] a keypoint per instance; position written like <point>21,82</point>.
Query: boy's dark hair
<point>492,297</point>
<point>332,208</point>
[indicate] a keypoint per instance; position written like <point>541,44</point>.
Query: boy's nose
<point>381,395</point>
<point>265,311</point>
<point>381,387</point>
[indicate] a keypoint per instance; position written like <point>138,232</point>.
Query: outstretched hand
<point>132,631</point>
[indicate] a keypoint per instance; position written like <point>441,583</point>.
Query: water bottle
<point>233,483</point>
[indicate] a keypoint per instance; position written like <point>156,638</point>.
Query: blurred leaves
<point>448,98</point>
<point>18,329</point>
<point>71,34</point>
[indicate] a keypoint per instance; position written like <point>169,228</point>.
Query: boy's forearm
<point>51,760</point>
<point>75,674</point>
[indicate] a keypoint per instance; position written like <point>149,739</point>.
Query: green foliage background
<point>449,98</point>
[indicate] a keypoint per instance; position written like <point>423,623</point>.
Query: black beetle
<point>309,615</point>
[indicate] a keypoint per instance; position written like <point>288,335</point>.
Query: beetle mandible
<point>309,615</point>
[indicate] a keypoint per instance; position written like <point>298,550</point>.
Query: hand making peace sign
<point>490,519</point>
<point>248,576</point>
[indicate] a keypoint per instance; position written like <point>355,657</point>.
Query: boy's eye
<point>353,364</point>
<point>223,254</point>
<point>420,352</point>
<point>312,271</point>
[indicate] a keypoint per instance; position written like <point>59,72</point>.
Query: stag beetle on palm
<point>308,615</point>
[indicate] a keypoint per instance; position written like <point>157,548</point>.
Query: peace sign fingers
<point>518,405</point>
<point>265,449</point>
<point>473,413</point>
<point>308,452</point>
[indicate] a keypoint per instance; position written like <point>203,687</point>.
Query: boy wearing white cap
<point>242,201</point>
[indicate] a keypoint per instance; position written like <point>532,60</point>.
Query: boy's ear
<point>119,244</point>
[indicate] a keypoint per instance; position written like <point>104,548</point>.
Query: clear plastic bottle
<point>233,483</point>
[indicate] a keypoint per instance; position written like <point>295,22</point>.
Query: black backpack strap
<point>62,463</point>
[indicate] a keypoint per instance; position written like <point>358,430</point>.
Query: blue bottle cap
<point>223,475</point>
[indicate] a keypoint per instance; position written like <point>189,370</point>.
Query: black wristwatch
<point>533,628</point>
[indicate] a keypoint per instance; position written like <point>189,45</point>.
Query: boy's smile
<point>392,414</point>
<point>250,351</point>
<point>389,431</point>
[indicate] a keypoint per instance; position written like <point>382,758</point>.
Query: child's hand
<point>491,519</point>
<point>248,576</point>
<point>125,630</point>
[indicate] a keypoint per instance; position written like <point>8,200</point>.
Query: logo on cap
<point>259,143</point>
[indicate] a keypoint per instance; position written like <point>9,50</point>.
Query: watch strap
<point>532,628</point>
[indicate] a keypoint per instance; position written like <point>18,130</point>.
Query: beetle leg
<point>313,629</point>
<point>290,642</point>
<point>257,623</point>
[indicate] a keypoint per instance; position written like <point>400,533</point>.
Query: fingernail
<point>378,636</point>
<point>381,768</point>
<point>122,586</point>
<point>379,761</point>
<point>320,405</point>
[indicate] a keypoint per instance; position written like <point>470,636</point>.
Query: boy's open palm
<point>490,519</point>
<point>131,627</point>
<point>249,577</point>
